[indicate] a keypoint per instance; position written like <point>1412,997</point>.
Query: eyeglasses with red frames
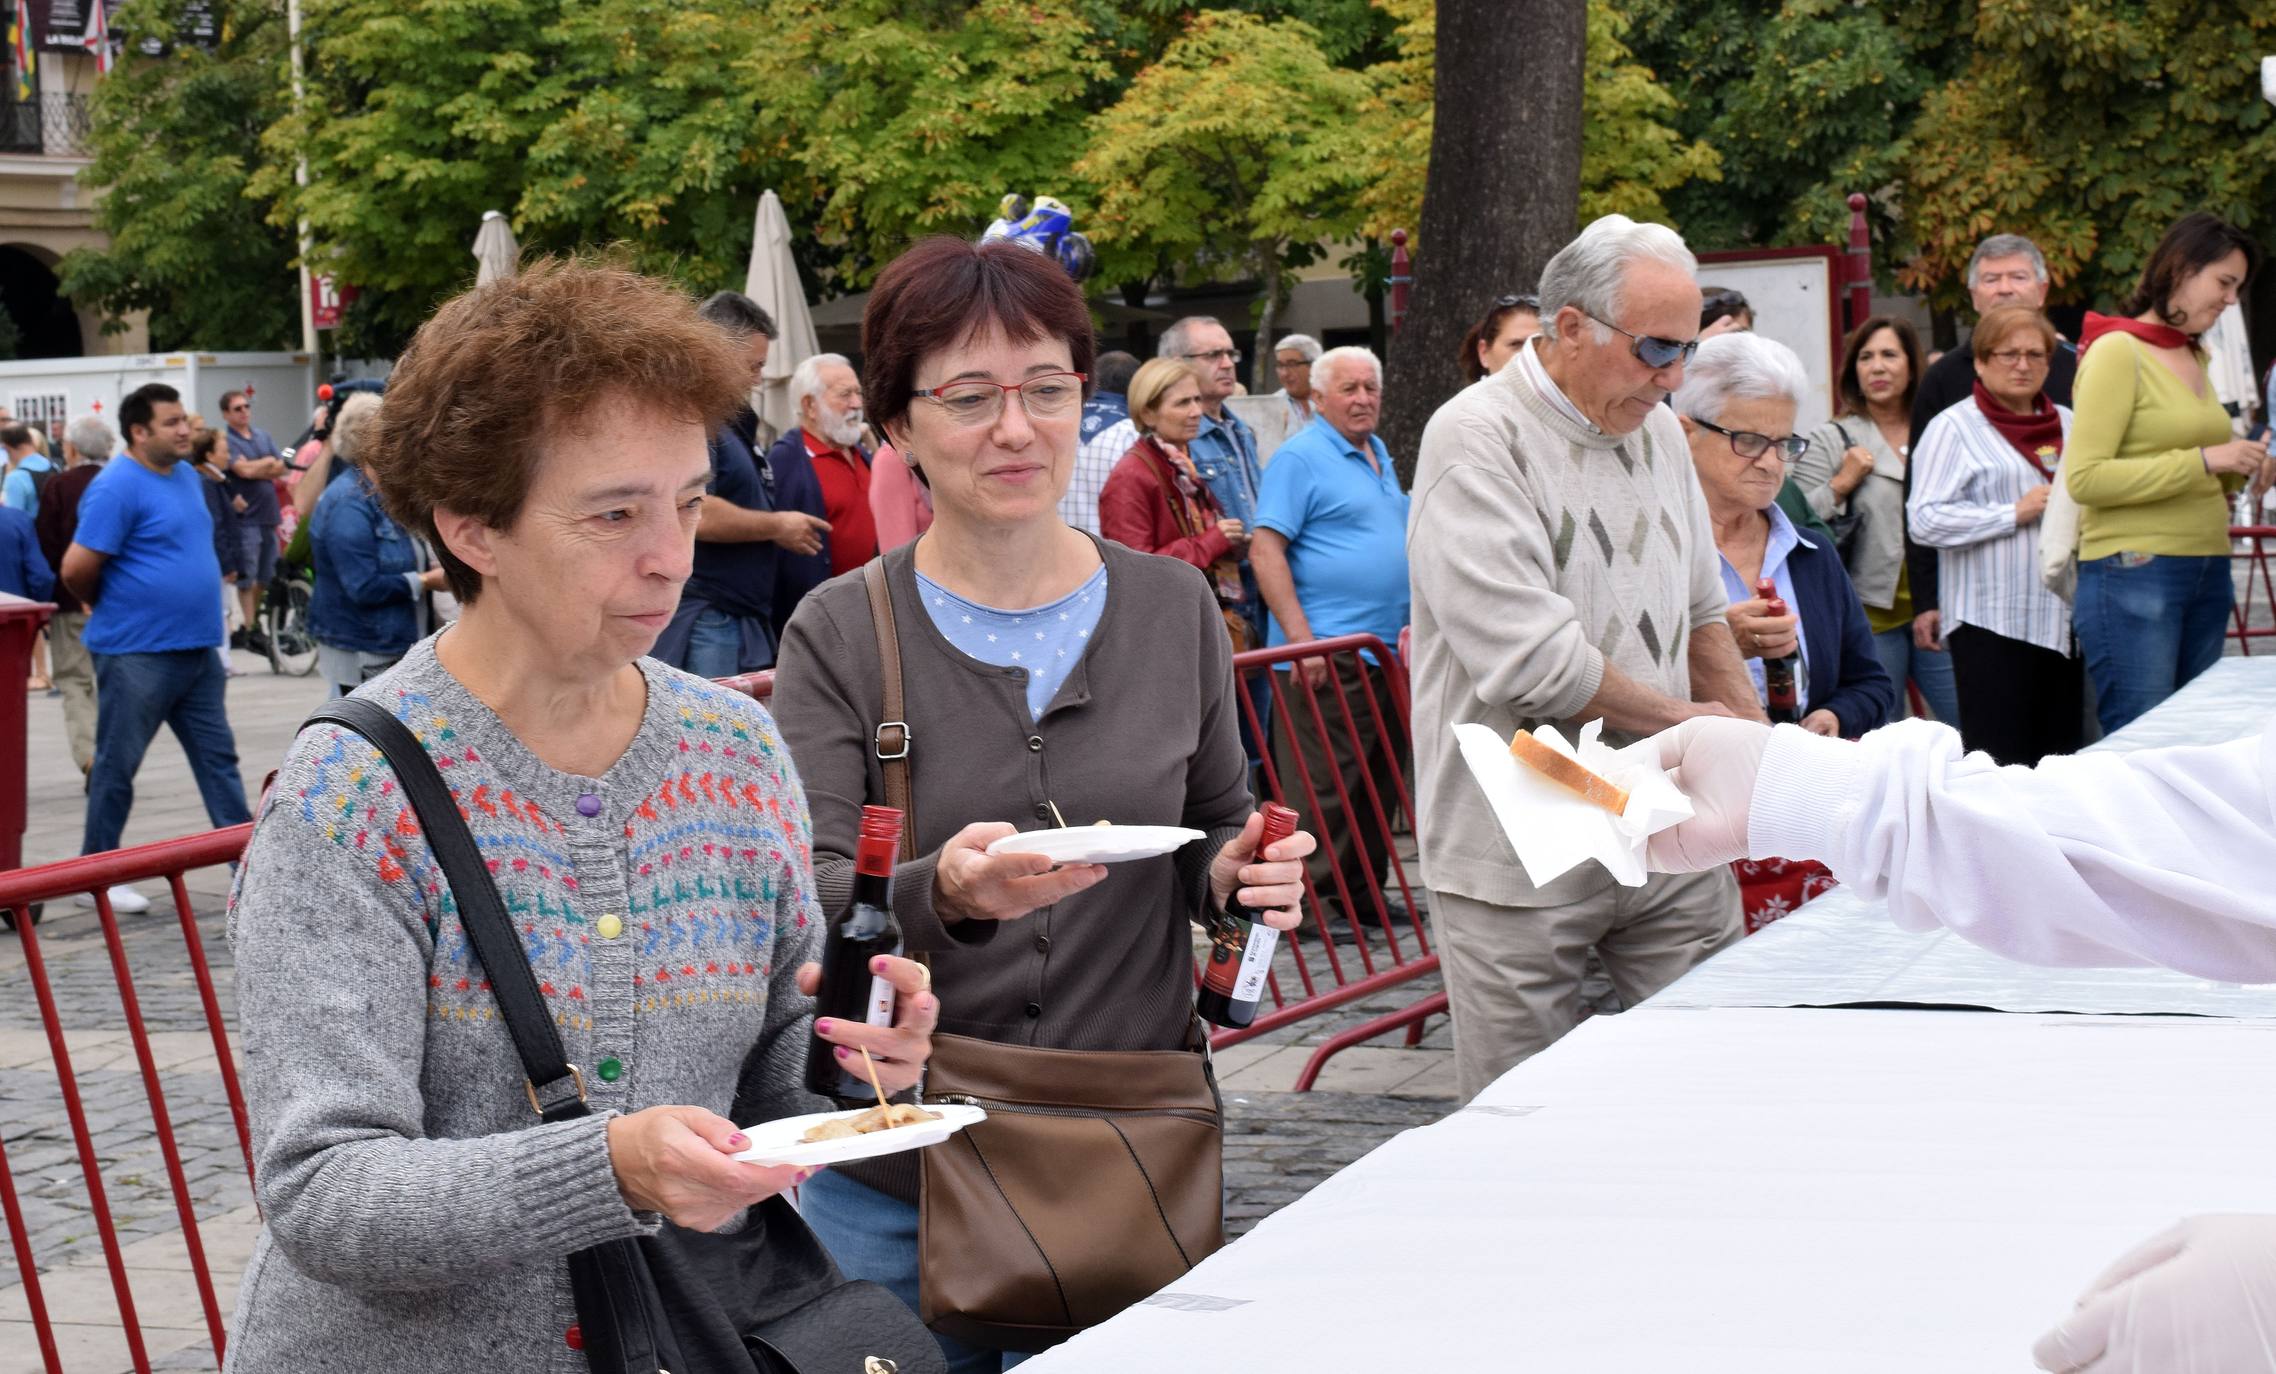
<point>975,402</point>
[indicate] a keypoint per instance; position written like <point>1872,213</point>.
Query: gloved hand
<point>2198,1298</point>
<point>1712,760</point>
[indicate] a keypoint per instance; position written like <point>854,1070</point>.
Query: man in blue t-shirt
<point>1330,554</point>
<point>255,464</point>
<point>142,560</point>
<point>725,622</point>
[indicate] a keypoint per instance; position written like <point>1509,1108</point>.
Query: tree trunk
<point>1502,194</point>
<point>1263,378</point>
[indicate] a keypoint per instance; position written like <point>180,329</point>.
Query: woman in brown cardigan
<point>1048,674</point>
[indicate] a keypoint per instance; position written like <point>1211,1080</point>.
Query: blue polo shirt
<point>1346,527</point>
<point>161,588</point>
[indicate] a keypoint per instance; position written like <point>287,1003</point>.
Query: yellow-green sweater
<point>2133,460</point>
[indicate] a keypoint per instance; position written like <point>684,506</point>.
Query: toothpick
<point>871,1064</point>
<point>1062,820</point>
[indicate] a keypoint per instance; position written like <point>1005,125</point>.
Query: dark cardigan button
<point>1034,1009</point>
<point>1035,744</point>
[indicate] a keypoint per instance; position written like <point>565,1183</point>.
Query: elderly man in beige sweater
<point>1564,571</point>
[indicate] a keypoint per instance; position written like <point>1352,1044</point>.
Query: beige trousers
<point>75,675</point>
<point>1513,974</point>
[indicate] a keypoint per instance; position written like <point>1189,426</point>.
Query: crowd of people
<point>1044,558</point>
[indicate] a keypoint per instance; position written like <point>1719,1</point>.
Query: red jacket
<point>1134,509</point>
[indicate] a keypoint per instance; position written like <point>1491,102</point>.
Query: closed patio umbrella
<point>495,251</point>
<point>772,281</point>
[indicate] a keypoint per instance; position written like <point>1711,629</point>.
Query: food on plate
<point>1096,824</point>
<point>875,1119</point>
<point>1567,772</point>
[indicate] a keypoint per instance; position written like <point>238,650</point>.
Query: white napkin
<point>1552,828</point>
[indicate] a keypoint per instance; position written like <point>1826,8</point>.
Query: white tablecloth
<point>1841,949</point>
<point>1741,1192</point>
<point>1713,1184</point>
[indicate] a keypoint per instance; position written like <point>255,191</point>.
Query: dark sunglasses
<point>1750,445</point>
<point>1529,302</point>
<point>1655,352</point>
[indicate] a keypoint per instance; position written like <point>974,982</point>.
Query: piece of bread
<point>1567,772</point>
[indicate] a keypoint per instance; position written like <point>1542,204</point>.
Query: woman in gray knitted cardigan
<point>645,829</point>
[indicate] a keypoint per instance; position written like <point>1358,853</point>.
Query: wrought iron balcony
<point>49,122</point>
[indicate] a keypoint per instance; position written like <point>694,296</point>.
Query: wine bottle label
<point>880,1011</point>
<point>1256,963</point>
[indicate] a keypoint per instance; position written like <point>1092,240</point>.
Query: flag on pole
<point>97,38</point>
<point>20,39</point>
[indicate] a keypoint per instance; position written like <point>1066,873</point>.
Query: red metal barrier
<point>2256,591</point>
<point>1355,714</point>
<point>20,623</point>
<point>96,874</point>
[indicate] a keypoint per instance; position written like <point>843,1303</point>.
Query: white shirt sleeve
<point>2164,856</point>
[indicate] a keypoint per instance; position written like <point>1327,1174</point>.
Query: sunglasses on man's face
<point>1652,351</point>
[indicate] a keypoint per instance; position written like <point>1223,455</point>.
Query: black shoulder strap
<point>556,1090</point>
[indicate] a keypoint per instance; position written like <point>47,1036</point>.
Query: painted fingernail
<point>823,1027</point>
<point>877,965</point>
<point>805,1174</point>
<point>843,1053</point>
<point>738,1141</point>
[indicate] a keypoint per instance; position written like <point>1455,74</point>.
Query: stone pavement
<point>1279,1143</point>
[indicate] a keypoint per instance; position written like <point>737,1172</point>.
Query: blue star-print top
<point>1045,640</point>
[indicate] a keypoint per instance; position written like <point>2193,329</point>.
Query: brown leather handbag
<point>1098,1177</point>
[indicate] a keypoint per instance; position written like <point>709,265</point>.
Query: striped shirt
<point>1094,463</point>
<point>1966,479</point>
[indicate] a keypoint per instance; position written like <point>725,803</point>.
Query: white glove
<point>1712,760</point>
<point>2198,1298</point>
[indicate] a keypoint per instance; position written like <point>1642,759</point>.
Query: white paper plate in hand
<point>1098,844</point>
<point>783,1142</point>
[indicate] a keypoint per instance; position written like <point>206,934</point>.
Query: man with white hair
<point>821,468</point>
<point>1275,416</point>
<point>1330,558</point>
<point>1564,571</point>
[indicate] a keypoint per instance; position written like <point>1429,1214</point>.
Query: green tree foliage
<point>611,122</point>
<point>1235,147</point>
<point>1806,101</point>
<point>1633,154</point>
<point>2091,130</point>
<point>895,119</point>
<point>175,143</point>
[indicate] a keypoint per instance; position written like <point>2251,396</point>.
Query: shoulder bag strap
<point>556,1090</point>
<point>892,738</point>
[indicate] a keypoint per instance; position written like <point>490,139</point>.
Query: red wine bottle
<point>849,991</point>
<point>1781,677</point>
<point>1241,944</point>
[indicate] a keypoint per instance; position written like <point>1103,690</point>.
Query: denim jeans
<point>715,644</point>
<point>1929,669</point>
<point>874,1237</point>
<point>2148,625</point>
<point>134,695</point>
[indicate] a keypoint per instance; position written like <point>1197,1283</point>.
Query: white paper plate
<point>781,1142</point>
<point>1098,844</point>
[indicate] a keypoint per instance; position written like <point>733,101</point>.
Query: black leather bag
<point>764,1298</point>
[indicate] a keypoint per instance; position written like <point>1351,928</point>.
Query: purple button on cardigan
<point>588,805</point>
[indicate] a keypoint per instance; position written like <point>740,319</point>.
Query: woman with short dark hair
<point>1981,479</point>
<point>644,830</point>
<point>1050,675</point>
<point>2152,463</point>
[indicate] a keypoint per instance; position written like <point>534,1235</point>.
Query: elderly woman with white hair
<point>370,602</point>
<point>1737,406</point>
<point>819,466</point>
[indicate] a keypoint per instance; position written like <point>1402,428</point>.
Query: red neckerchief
<point>2038,436</point>
<point>2155,335</point>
